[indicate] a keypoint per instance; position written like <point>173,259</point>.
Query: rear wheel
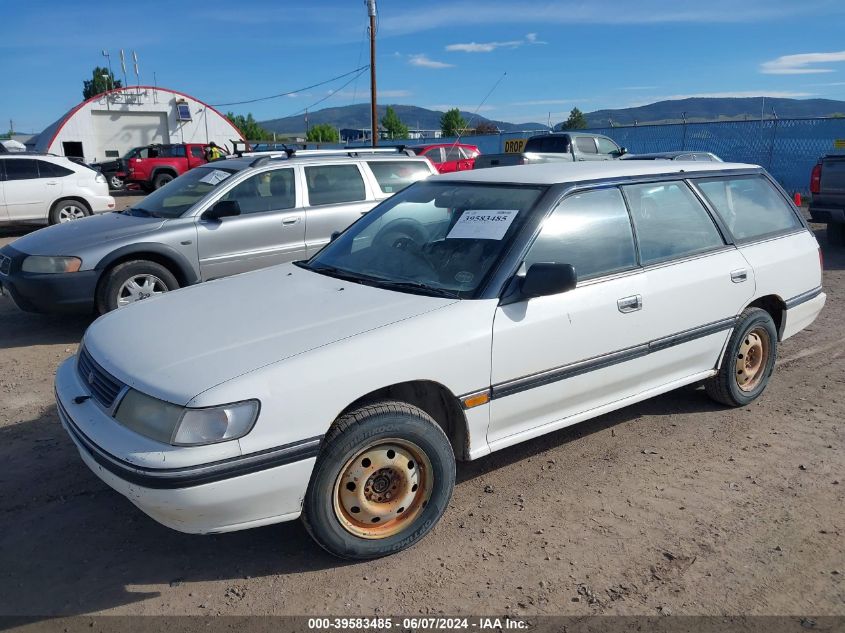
<point>748,362</point>
<point>161,180</point>
<point>383,479</point>
<point>133,281</point>
<point>836,234</point>
<point>68,211</point>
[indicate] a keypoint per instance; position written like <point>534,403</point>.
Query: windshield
<point>181,194</point>
<point>432,238</point>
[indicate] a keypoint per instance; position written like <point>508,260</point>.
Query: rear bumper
<point>826,215</point>
<point>59,292</point>
<point>101,204</point>
<point>801,311</point>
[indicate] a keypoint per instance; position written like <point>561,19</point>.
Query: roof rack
<point>352,152</point>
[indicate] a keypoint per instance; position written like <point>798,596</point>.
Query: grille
<point>104,387</point>
<point>5,264</point>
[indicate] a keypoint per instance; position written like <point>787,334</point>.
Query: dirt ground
<point>672,506</point>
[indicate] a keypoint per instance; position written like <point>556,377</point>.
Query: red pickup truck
<point>154,166</point>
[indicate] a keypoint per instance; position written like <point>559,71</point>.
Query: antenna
<point>137,74</point>
<point>474,114</point>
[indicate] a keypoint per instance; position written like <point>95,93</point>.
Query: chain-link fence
<point>787,148</point>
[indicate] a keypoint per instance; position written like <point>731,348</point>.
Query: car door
<point>585,148</point>
<point>557,356</point>
<point>28,196</point>
<point>608,150</point>
<point>695,283</point>
<point>337,196</point>
<point>435,155</point>
<point>452,159</point>
<point>4,213</point>
<point>270,229</point>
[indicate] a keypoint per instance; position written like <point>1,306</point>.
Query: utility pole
<point>371,10</point>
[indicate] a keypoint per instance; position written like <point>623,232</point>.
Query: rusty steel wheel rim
<point>382,489</point>
<point>752,359</point>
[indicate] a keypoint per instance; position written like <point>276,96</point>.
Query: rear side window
<point>670,221</point>
<point>548,144</point>
<point>393,176</point>
<point>591,231</point>
<point>267,191</point>
<point>51,170</point>
<point>197,152</point>
<point>750,206</point>
<point>606,146</point>
<point>434,155</point>
<point>21,169</point>
<point>333,184</point>
<point>585,145</point>
<point>174,151</point>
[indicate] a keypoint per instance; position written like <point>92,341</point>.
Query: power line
<point>285,94</point>
<point>361,71</point>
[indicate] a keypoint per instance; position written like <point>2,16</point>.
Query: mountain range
<point>694,109</point>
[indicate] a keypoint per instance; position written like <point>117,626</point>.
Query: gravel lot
<point>675,505</point>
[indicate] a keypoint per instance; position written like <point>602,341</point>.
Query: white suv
<point>467,313</point>
<point>53,189</point>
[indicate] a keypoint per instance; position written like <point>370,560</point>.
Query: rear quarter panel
<point>784,266</point>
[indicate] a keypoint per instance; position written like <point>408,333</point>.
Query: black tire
<point>162,179</point>
<point>726,386</point>
<point>116,183</point>
<point>59,210</point>
<point>836,234</point>
<point>111,285</point>
<point>353,434</point>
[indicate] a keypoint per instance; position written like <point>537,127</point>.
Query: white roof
<point>558,172</point>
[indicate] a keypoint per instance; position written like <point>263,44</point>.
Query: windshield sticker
<point>464,277</point>
<point>483,224</point>
<point>215,177</point>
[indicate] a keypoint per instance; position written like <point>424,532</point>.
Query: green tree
<point>452,123</point>
<point>249,127</point>
<point>393,125</point>
<point>323,133</point>
<point>576,121</point>
<point>101,81</point>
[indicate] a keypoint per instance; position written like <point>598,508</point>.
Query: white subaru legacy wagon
<point>468,313</point>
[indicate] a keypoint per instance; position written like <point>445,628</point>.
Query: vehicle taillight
<point>816,178</point>
<point>821,259</point>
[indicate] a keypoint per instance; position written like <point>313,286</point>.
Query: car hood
<point>72,238</point>
<point>180,344</point>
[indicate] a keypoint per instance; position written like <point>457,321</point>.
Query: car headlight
<point>42,264</point>
<point>181,426</point>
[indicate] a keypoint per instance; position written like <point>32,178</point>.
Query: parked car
<point>154,166</point>
<point>448,157</point>
<point>115,170</point>
<point>545,148</point>
<point>827,204</point>
<point>51,189</point>
<point>707,157</point>
<point>468,313</point>
<point>219,219</point>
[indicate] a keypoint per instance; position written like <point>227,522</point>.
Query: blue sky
<point>590,54</point>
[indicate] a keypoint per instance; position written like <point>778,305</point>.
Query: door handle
<point>739,275</point>
<point>51,184</point>
<point>630,304</point>
<point>288,221</point>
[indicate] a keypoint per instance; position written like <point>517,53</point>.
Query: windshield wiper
<point>141,212</point>
<point>416,287</point>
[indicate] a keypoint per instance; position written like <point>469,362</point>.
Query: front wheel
<point>748,362</point>
<point>133,281</point>
<point>383,479</point>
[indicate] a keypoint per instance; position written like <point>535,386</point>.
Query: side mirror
<point>623,151</point>
<point>223,209</point>
<point>334,236</point>
<point>541,280</point>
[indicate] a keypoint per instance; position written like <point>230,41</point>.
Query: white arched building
<point>110,124</point>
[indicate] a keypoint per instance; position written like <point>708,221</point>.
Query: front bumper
<point>57,292</point>
<point>220,496</point>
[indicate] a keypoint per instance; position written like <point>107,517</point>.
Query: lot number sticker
<point>215,177</point>
<point>482,224</point>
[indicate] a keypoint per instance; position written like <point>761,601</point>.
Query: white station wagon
<point>469,312</point>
